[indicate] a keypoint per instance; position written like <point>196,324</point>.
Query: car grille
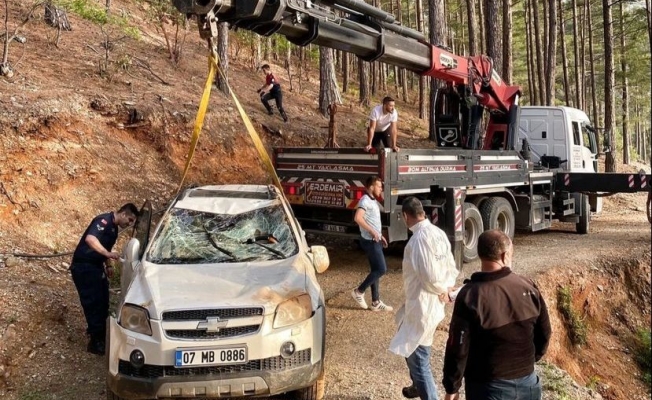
<point>202,315</point>
<point>224,313</point>
<point>299,359</point>
<point>223,333</point>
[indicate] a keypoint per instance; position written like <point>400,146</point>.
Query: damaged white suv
<point>223,302</point>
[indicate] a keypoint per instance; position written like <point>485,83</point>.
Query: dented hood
<point>160,288</point>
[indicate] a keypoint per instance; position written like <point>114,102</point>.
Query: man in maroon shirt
<point>272,90</point>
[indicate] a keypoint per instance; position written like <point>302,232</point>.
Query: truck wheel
<point>473,227</point>
<point>314,392</point>
<point>582,226</point>
<point>478,200</point>
<point>497,213</point>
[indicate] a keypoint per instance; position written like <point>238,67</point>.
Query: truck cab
<point>559,137</point>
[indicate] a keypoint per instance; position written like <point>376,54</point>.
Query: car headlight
<point>293,311</point>
<point>135,319</point>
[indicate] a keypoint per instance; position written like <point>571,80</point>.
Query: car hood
<point>160,288</point>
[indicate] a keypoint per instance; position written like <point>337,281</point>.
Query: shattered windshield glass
<point>195,237</point>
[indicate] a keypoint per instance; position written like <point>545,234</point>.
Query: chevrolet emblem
<point>212,324</point>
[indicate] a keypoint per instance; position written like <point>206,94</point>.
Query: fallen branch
<point>144,65</point>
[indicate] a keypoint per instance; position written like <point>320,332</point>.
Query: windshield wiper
<point>209,235</point>
<point>273,250</point>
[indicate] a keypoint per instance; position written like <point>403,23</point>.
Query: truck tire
<point>478,200</point>
<point>314,392</point>
<point>497,213</point>
<point>582,226</point>
<point>473,227</point>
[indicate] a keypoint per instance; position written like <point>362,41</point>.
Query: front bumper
<point>266,372</point>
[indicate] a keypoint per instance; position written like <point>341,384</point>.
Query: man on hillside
<point>499,329</point>
<point>90,267</point>
<point>382,127</point>
<point>429,273</point>
<point>271,90</point>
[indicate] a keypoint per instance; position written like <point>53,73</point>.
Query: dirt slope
<point>67,155</point>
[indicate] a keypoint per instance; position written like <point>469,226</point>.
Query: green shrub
<point>642,354</point>
<point>577,329</point>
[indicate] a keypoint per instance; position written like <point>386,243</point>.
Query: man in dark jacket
<point>499,329</point>
<point>90,268</point>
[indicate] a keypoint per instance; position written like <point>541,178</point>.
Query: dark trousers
<point>382,136</point>
<point>377,264</point>
<point>525,388</point>
<point>277,95</point>
<point>93,288</point>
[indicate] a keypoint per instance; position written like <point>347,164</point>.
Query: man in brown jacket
<point>499,329</point>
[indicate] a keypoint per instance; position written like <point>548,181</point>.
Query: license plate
<point>207,357</point>
<point>334,228</point>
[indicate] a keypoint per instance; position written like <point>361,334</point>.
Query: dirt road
<point>43,339</point>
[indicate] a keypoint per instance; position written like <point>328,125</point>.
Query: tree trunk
<point>564,59</point>
<point>508,70</point>
<point>437,36</point>
<point>472,24</point>
<point>363,73</point>
<point>646,137</point>
<point>609,83</point>
<point>578,80</point>
<point>493,36</point>
<point>532,95</point>
<point>422,79</point>
<point>538,51</point>
<point>481,26</point>
<point>329,93</point>
<point>345,72</point>
<point>222,80</point>
<point>594,99</point>
<point>624,82</point>
<point>551,59</point>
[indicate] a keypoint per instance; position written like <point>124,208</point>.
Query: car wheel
<point>314,392</point>
<point>112,396</point>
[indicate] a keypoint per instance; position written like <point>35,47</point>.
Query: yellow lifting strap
<point>213,68</point>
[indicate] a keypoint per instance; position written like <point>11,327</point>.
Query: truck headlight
<point>135,319</point>
<point>293,311</point>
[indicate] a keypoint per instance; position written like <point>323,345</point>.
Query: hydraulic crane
<point>374,35</point>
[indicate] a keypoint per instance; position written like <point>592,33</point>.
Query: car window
<point>195,237</point>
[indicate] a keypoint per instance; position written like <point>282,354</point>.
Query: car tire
<point>112,396</point>
<point>497,213</point>
<point>314,392</point>
<point>473,227</point>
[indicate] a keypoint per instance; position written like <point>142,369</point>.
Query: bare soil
<point>67,153</point>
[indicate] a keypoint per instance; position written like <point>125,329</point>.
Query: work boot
<point>96,345</point>
<point>410,392</point>
<point>284,116</point>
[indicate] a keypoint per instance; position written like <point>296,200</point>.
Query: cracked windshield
<point>195,237</point>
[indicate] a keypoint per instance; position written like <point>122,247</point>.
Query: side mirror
<point>130,260</point>
<point>320,260</point>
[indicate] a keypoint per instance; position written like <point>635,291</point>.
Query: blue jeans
<point>376,259</point>
<point>419,365</point>
<point>525,388</point>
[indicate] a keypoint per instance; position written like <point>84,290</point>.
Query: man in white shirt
<point>429,273</point>
<point>383,122</point>
<point>372,241</point>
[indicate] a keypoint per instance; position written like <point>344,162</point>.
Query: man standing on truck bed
<point>271,90</point>
<point>367,216</point>
<point>90,267</point>
<point>383,122</point>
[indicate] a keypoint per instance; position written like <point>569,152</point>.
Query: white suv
<point>223,302</point>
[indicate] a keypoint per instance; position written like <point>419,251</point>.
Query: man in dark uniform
<point>88,270</point>
<point>272,90</point>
